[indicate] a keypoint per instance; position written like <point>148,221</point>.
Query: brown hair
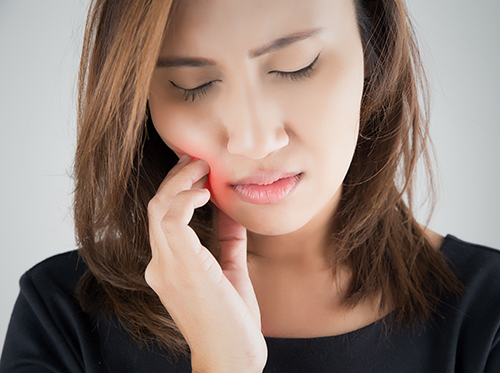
<point>121,160</point>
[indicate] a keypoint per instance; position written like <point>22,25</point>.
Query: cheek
<point>330,104</point>
<point>185,131</point>
<point>327,123</point>
<point>219,184</point>
<point>193,132</point>
<point>327,118</point>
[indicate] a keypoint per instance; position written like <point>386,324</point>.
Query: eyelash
<point>194,93</point>
<point>303,73</point>
<point>203,89</point>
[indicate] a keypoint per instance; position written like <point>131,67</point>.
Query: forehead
<point>245,24</point>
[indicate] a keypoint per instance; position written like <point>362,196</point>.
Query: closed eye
<point>193,93</point>
<point>303,73</point>
<point>202,90</point>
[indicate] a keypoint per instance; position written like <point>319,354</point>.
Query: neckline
<point>383,321</point>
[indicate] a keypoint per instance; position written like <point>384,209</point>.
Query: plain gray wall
<point>39,48</point>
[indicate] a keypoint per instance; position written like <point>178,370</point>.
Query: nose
<point>255,128</point>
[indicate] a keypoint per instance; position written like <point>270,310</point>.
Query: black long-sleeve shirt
<point>49,331</point>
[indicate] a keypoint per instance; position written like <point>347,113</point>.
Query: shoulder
<point>467,328</point>
<point>50,331</point>
<point>62,271</point>
<point>47,324</point>
<point>58,261</point>
<point>476,314</point>
<point>478,268</point>
<point>474,263</point>
<point>49,288</point>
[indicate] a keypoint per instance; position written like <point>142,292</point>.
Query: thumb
<point>232,237</point>
<point>233,260</point>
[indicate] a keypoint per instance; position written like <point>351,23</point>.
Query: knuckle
<point>155,277</point>
<point>150,276</point>
<point>155,206</point>
<point>168,223</point>
<point>183,196</point>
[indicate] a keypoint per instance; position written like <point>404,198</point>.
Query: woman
<point>243,202</point>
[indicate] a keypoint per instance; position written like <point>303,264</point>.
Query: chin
<point>269,220</point>
<point>275,228</point>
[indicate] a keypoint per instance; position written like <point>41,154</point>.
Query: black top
<point>49,332</point>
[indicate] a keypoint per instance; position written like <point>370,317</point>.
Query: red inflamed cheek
<point>208,184</point>
<point>220,192</point>
<point>216,190</point>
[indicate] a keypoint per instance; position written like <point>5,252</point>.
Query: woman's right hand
<point>213,305</point>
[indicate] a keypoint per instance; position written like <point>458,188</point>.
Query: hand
<point>213,305</point>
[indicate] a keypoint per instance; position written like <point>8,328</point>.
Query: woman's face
<point>269,94</point>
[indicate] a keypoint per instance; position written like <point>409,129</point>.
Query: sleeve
<point>40,336</point>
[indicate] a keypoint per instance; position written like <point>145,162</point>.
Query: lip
<point>266,189</point>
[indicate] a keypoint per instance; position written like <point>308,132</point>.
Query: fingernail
<point>183,158</point>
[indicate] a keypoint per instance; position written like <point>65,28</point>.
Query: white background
<point>39,49</point>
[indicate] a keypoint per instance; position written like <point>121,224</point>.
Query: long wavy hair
<point>121,160</point>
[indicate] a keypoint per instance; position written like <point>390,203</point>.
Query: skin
<point>252,121</point>
<point>273,278</point>
<point>213,305</point>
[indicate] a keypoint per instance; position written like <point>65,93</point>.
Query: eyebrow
<point>254,53</point>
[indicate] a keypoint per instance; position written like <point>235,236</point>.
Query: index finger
<point>181,177</point>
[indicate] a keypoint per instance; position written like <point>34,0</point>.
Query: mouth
<point>268,188</point>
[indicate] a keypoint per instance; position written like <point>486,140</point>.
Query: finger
<point>200,184</point>
<point>182,162</point>
<point>183,205</point>
<point>174,235</point>
<point>182,177</point>
<point>233,260</point>
<point>232,238</point>
<point>155,206</point>
<point>182,240</point>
